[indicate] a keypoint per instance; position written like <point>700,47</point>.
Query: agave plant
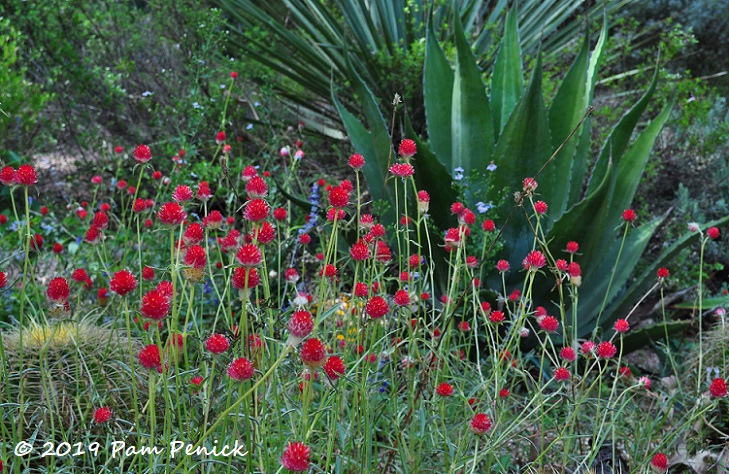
<point>310,43</point>
<point>514,129</point>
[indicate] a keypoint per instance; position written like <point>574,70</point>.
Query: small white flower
<point>300,301</point>
<point>482,207</point>
<point>491,166</point>
<point>458,174</point>
<point>146,93</point>
<point>249,126</point>
<point>693,227</point>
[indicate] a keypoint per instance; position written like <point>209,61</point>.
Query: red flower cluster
<point>217,344</point>
<point>296,457</point>
<point>123,282</point>
<point>102,415</point>
<point>241,369</point>
<point>313,353</point>
<point>481,423</point>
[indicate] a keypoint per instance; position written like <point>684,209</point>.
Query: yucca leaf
<point>472,128</point>
<point>507,81</point>
<point>438,93</point>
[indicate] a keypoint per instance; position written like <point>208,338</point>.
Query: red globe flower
<point>713,233</point>
<point>245,278</point>
<point>296,457</point>
<point>58,290</point>
<point>195,257</point>
<point>480,423</point>
<point>407,148</point>
<point>549,324</point>
<point>338,197</point>
<point>401,298</point>
<point>376,307</point>
<point>217,344</point>
<point>662,273</point>
<point>79,275</point>
<point>171,214</point>
<point>540,207</point>
<point>718,388</point>
<point>149,357</point>
<point>629,215</point>
<point>102,415</point>
<point>534,261</point>
<point>497,317</point>
<point>659,462</point>
<point>203,191</point>
<point>7,175</point>
<point>444,389</point>
<point>402,170</point>
<point>256,188</point>
<point>356,161</point>
<point>606,350</point>
<point>241,369</point>
<point>334,367</point>
<point>155,305</point>
<point>142,153</point>
<point>300,326</point>
<point>572,247</point>
<point>25,175</point>
<point>101,220</point>
<point>256,210</point>
<point>249,255</point>
<point>621,325</point>
<point>123,282</point>
<point>568,354</point>
<point>313,353</point>
<point>562,374</point>
<point>182,193</point>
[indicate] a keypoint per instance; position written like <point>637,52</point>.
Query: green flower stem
<point>221,418</point>
<point>612,276</point>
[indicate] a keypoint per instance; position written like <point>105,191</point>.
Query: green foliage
<point>20,99</point>
<point>531,144</point>
<point>311,43</point>
<point>130,73</point>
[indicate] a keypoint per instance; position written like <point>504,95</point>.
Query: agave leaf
<point>438,93</point>
<point>642,337</point>
<point>628,168</point>
<point>573,98</point>
<point>620,135</point>
<point>507,80</point>
<point>620,308</point>
<point>374,144</point>
<point>597,279</point>
<point>522,149</point>
<point>432,176</point>
<point>706,303</point>
<point>472,126</point>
